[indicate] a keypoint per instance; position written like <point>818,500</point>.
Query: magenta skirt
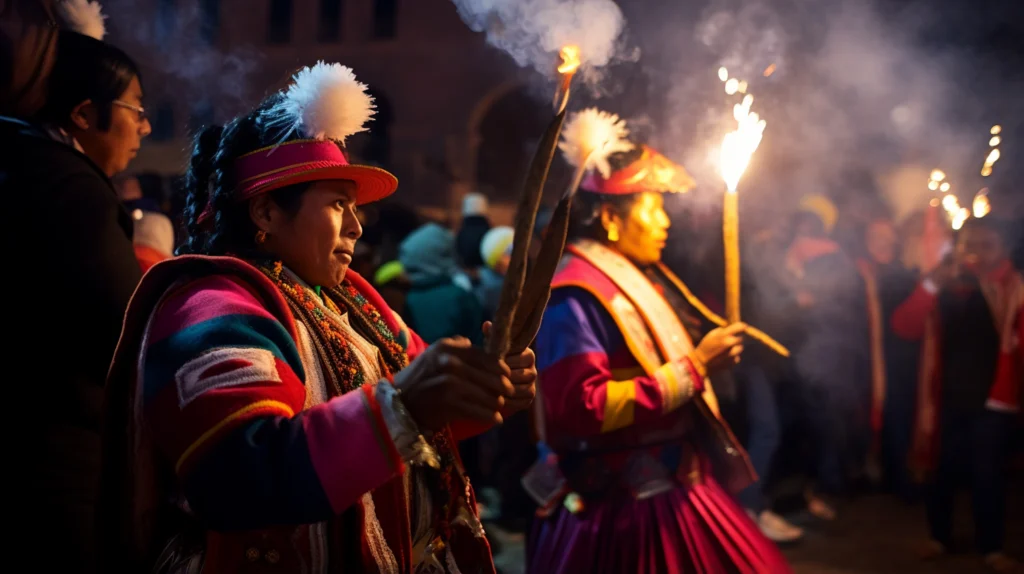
<point>695,529</point>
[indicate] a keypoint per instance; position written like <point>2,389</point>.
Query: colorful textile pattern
<point>620,425</point>
<point>590,381</point>
<point>222,392</point>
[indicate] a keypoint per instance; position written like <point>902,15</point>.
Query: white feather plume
<point>326,102</point>
<point>590,136</point>
<point>84,17</point>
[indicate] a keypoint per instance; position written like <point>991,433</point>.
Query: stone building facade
<point>453,114</point>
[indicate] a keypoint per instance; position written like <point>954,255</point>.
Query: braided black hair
<point>210,181</point>
<point>585,217</point>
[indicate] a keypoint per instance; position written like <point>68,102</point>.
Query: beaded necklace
<point>347,376</point>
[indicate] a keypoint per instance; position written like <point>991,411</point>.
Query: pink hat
<point>304,161</point>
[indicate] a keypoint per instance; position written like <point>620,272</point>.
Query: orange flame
<point>570,59</point>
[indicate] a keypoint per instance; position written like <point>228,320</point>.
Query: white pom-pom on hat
<point>83,16</point>
<point>326,101</point>
<point>591,135</point>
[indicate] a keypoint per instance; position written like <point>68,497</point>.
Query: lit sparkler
<point>993,154</point>
<point>951,204</point>
<point>570,63</point>
<point>738,147</point>
<point>960,217</point>
<point>981,206</point>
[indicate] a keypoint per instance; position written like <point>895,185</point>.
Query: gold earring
<point>613,233</point>
<point>261,236</point>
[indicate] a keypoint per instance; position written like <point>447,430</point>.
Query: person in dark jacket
<point>70,244</point>
<point>831,360</point>
<point>436,305</point>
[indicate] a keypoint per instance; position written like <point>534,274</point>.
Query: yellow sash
<point>643,313</point>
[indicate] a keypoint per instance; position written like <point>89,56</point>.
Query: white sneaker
<point>777,528</point>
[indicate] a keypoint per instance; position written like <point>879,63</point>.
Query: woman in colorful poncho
<point>638,451</point>
<point>263,413</point>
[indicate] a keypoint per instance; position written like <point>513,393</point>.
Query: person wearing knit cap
<point>495,251</point>
<point>475,224</point>
<point>436,306</point>
<point>266,409</point>
<point>72,235</point>
<point>626,397</point>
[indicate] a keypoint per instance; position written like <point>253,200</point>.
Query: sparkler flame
<point>993,157</point>
<point>960,217</point>
<point>933,185</point>
<point>769,70</point>
<point>944,187</point>
<point>938,175</point>
<point>982,206</point>
<point>996,140</point>
<point>995,129</point>
<point>570,59</point>
<point>739,145</point>
<point>951,204</point>
<point>723,73</point>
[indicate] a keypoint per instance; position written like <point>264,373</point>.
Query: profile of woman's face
<point>318,242</point>
<point>114,148</point>
<point>643,232</point>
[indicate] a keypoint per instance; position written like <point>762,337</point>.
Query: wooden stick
<point>537,289</point>
<point>731,237</point>
<point>499,342</point>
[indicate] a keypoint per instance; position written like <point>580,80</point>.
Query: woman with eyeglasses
<point>95,102</point>
<point>67,234</point>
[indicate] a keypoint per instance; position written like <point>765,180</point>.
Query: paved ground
<point>875,534</point>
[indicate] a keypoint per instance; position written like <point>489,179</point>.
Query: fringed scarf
<point>449,488</point>
<point>876,340</point>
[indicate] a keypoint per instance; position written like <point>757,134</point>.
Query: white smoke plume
<point>190,68</point>
<point>533,31</point>
<point>854,100</point>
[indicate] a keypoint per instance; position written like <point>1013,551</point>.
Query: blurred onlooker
<point>832,359</point>
<point>893,360</point>
<point>81,244</point>
<point>475,224</point>
<point>495,251</point>
<point>969,313</point>
<point>436,306</point>
<point>153,239</point>
<point>95,102</point>
<point>27,50</point>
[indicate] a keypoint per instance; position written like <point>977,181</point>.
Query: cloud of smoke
<point>173,41</point>
<point>853,98</point>
<point>533,31</point>
<point>858,108</point>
